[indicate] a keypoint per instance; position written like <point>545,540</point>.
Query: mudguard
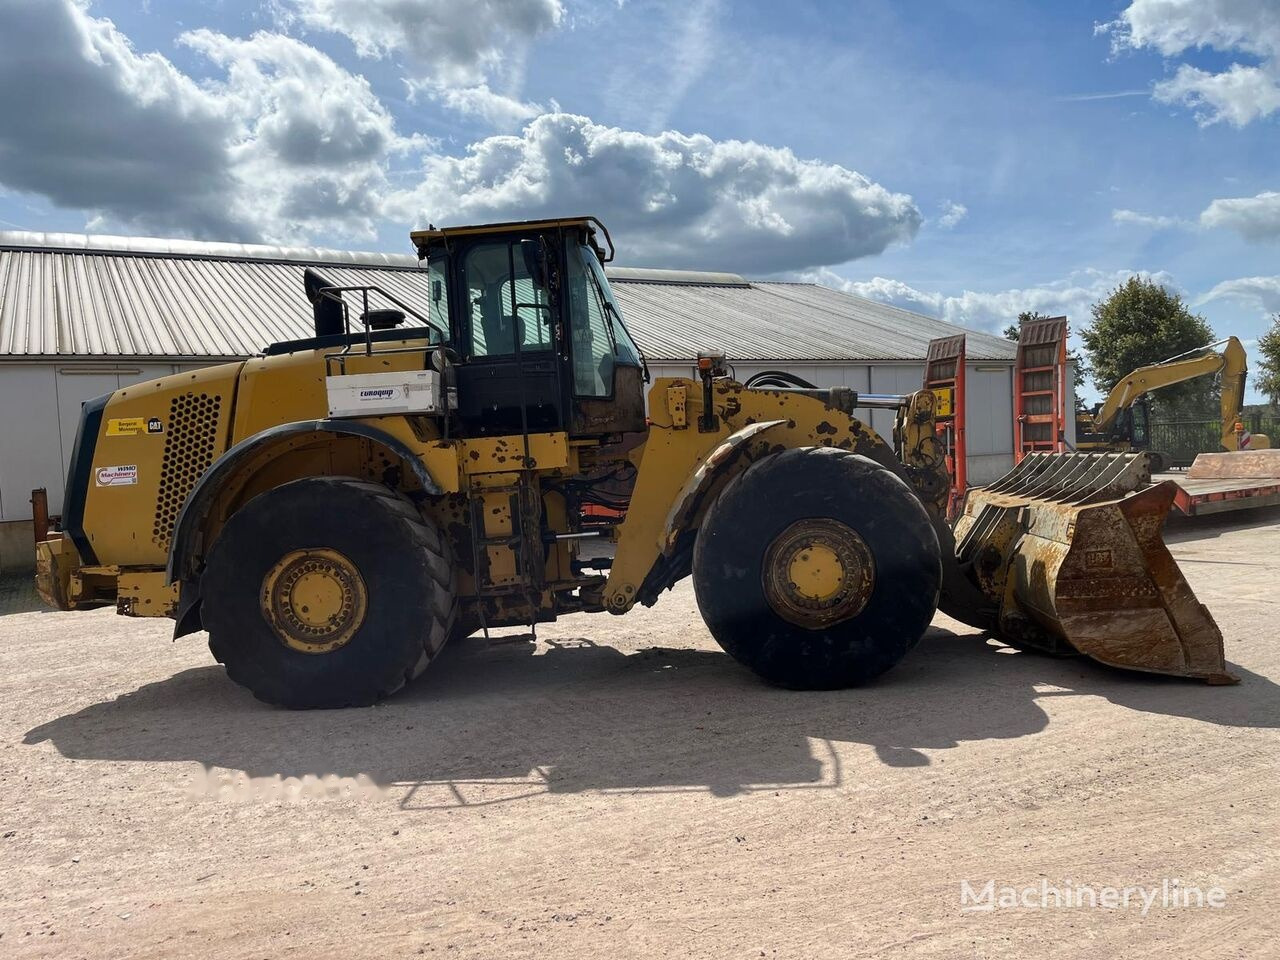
<point>182,547</point>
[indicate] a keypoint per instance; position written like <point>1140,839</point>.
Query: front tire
<point>817,568</point>
<point>327,592</point>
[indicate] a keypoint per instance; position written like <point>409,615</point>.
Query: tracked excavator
<point>334,509</point>
<point>1122,422</point>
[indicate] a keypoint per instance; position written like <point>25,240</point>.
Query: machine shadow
<point>578,716</point>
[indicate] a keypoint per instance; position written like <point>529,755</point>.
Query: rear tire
<point>782,613</point>
<point>380,578</point>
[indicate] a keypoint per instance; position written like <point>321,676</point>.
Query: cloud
<point>310,143</point>
<point>91,124</point>
<point>671,199</point>
<point>1254,218</point>
<point>1145,219</point>
<point>478,101</point>
<point>454,52</point>
<point>280,143</point>
<point>1237,95</point>
<point>1174,26</point>
<point>1260,292</point>
<point>952,214</point>
<point>1072,297</point>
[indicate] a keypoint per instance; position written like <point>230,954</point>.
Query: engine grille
<point>190,444</point>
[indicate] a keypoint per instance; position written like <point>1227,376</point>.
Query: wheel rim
<point>315,600</point>
<point>818,572</point>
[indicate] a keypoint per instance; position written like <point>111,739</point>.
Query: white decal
<point>124,476</point>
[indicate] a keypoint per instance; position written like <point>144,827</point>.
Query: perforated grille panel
<point>189,447</point>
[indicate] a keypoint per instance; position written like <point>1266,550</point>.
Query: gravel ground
<point>623,789</point>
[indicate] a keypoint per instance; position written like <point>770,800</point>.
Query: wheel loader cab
<point>540,342</point>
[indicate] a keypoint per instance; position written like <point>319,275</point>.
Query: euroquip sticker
<point>122,476</point>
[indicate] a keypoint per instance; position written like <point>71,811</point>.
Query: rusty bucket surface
<point>1068,550</point>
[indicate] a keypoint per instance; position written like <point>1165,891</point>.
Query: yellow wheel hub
<point>315,600</point>
<point>818,572</point>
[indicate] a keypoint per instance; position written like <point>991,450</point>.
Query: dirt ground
<point>623,789</point>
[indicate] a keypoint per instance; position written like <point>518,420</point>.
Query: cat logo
<point>1098,559</point>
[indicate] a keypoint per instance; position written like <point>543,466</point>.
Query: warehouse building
<point>84,315</point>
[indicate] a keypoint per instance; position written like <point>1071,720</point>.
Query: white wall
<point>39,413</point>
<point>988,421</point>
<point>989,401</point>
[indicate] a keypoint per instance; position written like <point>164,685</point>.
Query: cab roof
<point>433,235</point>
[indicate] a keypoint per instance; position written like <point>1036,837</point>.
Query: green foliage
<point>1139,323</point>
<point>1269,362</point>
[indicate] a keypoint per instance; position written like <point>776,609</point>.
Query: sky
<point>968,159</point>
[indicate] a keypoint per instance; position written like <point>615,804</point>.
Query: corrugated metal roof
<point>72,296</point>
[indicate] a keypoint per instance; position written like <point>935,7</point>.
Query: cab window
<point>503,302</point>
<point>599,340</point>
<point>438,291</point>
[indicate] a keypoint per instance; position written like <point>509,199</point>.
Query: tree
<point>1269,365</point>
<point>1014,330</point>
<point>1139,323</point>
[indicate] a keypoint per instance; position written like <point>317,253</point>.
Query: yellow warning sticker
<point>127,427</point>
<point>133,426</point>
<point>943,407</point>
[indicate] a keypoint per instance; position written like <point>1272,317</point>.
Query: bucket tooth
<point>1069,549</point>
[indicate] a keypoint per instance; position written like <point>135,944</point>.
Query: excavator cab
<point>539,340</point>
<point>1132,427</point>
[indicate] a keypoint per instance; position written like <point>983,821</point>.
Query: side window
<point>503,302</point>
<point>438,291</point>
<point>593,346</point>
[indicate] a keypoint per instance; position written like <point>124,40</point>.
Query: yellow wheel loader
<point>1123,422</point>
<point>334,509</point>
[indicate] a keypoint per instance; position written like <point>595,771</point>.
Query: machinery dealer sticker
<point>133,426</point>
<point>117,476</point>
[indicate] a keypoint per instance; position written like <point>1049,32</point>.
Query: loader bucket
<point>1067,549</point>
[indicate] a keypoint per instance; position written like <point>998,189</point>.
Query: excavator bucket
<point>1069,553</point>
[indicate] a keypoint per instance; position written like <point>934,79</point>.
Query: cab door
<point>509,380</point>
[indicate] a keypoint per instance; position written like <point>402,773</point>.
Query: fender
<point>200,500</point>
<point>717,465</point>
<point>674,543</point>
